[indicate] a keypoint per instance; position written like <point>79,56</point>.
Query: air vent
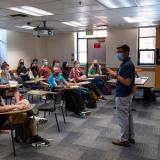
<point>19,16</point>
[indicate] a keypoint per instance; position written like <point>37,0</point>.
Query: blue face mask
<point>120,56</point>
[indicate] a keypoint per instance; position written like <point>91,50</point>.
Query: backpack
<point>106,90</point>
<point>90,100</point>
<point>23,134</point>
<point>71,102</point>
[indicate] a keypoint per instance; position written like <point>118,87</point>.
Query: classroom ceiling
<point>90,13</point>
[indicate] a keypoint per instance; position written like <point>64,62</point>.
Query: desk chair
<point>11,128</point>
<point>58,102</point>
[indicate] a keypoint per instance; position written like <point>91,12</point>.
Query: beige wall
<point>117,37</point>
<point>24,45</point>
<point>60,47</point>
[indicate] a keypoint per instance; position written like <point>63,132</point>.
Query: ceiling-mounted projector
<point>43,31</point>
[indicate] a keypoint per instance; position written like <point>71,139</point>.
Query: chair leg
<point>63,115</point>
<point>57,122</point>
<point>13,145</point>
<point>44,114</point>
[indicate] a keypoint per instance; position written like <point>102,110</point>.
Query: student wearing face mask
<point>57,81</point>
<point>45,70</point>
<point>94,69</point>
<point>34,69</point>
<point>77,75</point>
<point>124,94</point>
<point>4,83</point>
<point>22,71</point>
<point>56,63</point>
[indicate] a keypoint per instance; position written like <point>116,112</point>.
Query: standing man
<point>124,94</point>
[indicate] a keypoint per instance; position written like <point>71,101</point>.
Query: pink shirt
<point>75,73</point>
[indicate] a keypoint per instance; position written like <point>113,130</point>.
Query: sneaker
<point>86,112</point>
<point>40,120</point>
<point>82,115</point>
<point>120,143</point>
<point>39,141</point>
<point>102,98</point>
<point>132,141</point>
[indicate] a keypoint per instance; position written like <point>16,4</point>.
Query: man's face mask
<point>46,63</point>
<point>95,65</point>
<point>120,56</point>
<point>57,64</point>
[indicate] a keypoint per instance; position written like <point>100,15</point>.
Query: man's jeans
<point>124,117</point>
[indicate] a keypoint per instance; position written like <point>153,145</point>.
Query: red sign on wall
<point>97,45</point>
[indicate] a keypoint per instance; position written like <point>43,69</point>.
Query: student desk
<point>35,80</point>
<point>138,81</point>
<point>39,93</point>
<point>11,126</point>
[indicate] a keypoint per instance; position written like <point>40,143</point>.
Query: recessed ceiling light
<point>135,19</point>
<point>25,27</point>
<point>117,4</point>
<point>31,11</point>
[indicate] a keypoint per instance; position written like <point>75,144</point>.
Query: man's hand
<point>112,73</point>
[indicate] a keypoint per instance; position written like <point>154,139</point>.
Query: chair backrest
<point>59,97</point>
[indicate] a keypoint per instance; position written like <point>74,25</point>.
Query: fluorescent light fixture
<point>26,27</point>
<point>36,10</point>
<point>74,24</point>
<point>77,23</point>
<point>31,11</point>
<point>116,4</point>
<point>135,19</point>
<point>69,24</point>
<point>24,11</point>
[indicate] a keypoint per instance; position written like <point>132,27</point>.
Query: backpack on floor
<point>90,100</point>
<point>71,103</point>
<point>23,134</point>
<point>106,90</point>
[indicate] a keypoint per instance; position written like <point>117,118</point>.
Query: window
<point>3,46</point>
<point>147,44</point>
<point>82,43</point>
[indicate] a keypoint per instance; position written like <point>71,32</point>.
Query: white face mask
<point>46,63</point>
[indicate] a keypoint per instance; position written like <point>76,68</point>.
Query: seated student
<point>22,71</point>
<point>21,118</point>
<point>78,75</point>
<point>34,69</point>
<point>45,70</point>
<point>56,63</point>
<point>65,72</point>
<point>4,83</point>
<point>95,71</point>
<point>56,80</point>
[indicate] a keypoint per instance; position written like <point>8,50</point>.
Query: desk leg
<point>13,145</point>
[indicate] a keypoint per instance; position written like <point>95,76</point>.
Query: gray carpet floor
<point>90,138</point>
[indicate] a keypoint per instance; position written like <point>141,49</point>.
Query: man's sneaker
<point>102,98</point>
<point>132,141</point>
<point>40,120</point>
<point>39,141</point>
<point>86,112</point>
<point>120,143</point>
<point>82,115</point>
